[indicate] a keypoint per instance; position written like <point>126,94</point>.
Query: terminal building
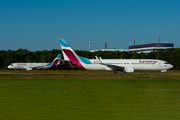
<point>147,48</point>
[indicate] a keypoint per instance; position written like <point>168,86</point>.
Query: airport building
<point>147,48</point>
<point>110,50</point>
<point>106,49</point>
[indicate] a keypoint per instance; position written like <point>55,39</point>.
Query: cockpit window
<point>166,63</point>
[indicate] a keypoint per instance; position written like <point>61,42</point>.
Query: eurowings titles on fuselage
<point>31,66</point>
<point>125,65</point>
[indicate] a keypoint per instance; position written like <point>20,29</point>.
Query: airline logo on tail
<point>55,62</point>
<point>74,60</point>
<point>70,55</point>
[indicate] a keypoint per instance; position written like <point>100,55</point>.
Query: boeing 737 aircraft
<point>31,66</point>
<point>125,65</point>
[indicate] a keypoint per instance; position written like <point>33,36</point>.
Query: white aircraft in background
<point>31,66</point>
<point>125,65</point>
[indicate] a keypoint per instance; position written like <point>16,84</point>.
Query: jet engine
<point>128,70</point>
<point>28,68</point>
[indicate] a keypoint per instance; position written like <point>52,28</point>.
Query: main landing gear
<point>115,72</point>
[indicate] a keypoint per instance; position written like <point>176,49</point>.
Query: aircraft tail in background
<point>55,62</point>
<point>32,66</point>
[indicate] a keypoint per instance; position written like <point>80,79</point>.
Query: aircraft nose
<point>9,67</point>
<point>171,66</point>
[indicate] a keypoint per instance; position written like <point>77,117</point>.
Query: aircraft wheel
<point>115,72</point>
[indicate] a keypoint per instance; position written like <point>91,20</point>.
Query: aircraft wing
<point>109,65</point>
<point>35,67</point>
<point>113,66</point>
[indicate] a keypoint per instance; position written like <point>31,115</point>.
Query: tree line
<point>23,55</point>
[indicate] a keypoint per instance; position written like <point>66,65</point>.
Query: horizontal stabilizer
<point>68,62</point>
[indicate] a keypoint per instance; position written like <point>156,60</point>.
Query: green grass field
<point>89,95</point>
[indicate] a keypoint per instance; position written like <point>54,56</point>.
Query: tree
<point>174,58</point>
<point>29,59</point>
<point>8,61</point>
<point>160,54</point>
<point>151,55</point>
<point>123,55</point>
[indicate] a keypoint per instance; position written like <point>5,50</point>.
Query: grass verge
<point>74,95</point>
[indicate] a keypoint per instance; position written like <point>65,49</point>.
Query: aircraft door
<point>159,64</point>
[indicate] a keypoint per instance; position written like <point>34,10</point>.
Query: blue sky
<point>38,24</point>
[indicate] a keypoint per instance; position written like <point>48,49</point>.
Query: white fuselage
<point>137,64</point>
<point>26,65</point>
<point>126,65</point>
<point>31,66</point>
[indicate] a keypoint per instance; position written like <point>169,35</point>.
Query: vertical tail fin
<point>70,55</point>
<point>55,62</point>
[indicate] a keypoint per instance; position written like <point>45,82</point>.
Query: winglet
<point>98,60</point>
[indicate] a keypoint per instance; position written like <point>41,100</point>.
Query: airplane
<point>31,66</point>
<point>124,65</point>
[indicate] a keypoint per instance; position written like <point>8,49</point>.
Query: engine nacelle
<point>28,68</point>
<point>128,70</point>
